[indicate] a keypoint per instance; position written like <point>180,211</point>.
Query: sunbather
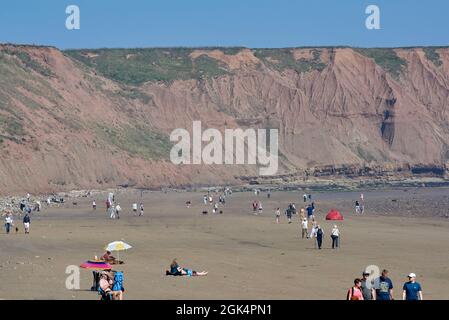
<point>110,258</point>
<point>176,270</point>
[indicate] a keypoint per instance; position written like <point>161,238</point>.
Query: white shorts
<point>26,225</point>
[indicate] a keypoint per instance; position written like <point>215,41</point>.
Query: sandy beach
<point>247,256</point>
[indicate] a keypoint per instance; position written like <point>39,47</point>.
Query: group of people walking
<point>114,210</point>
<point>25,206</point>
<point>317,233</point>
<point>381,288</point>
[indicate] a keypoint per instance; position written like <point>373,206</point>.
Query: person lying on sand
<point>176,270</point>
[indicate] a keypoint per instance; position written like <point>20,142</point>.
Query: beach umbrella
<point>117,246</point>
<point>96,265</point>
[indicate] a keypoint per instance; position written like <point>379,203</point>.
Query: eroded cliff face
<point>101,118</point>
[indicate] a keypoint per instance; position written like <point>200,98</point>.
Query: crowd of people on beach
<point>110,285</point>
<point>25,207</point>
<point>215,200</point>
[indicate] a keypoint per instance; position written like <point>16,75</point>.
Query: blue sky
<point>250,23</point>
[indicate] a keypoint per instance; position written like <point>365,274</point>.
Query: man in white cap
<point>412,290</point>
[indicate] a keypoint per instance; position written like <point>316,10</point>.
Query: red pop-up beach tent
<point>334,215</point>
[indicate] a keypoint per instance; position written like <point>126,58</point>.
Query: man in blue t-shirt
<point>384,287</point>
<point>310,214</point>
<point>412,289</point>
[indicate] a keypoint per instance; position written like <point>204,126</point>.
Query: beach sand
<point>247,256</point>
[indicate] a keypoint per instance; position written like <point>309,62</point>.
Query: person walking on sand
<point>304,228</point>
<point>134,208</point>
<point>310,212</point>
<point>94,205</point>
<point>205,199</point>
<point>112,212</point>
<point>313,231</point>
<point>412,290</point>
<point>254,207</point>
<point>288,212</point>
<point>357,207</point>
<point>260,207</point>
<point>141,209</point>
<point>278,215</point>
<point>319,236</point>
<point>304,197</point>
<point>26,223</point>
<point>355,292</point>
<point>384,287</point>
<point>335,234</point>
<point>302,213</point>
<point>9,222</point>
<point>117,210</point>
<point>367,288</point>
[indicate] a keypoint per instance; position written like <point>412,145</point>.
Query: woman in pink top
<point>355,292</point>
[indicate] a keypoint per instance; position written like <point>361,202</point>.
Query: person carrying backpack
<point>355,292</point>
<point>319,236</point>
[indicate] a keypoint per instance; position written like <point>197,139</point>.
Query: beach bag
<point>118,282</point>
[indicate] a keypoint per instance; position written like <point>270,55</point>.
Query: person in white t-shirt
<point>304,228</point>
<point>135,208</point>
<point>313,231</point>
<point>335,234</point>
<point>117,210</point>
<point>9,222</point>
<point>278,214</point>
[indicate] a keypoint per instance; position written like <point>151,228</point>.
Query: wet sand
<point>247,256</point>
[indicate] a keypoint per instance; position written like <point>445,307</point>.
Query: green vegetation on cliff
<point>282,59</point>
<point>136,140</point>
<point>137,66</point>
<point>386,58</point>
<point>433,55</point>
